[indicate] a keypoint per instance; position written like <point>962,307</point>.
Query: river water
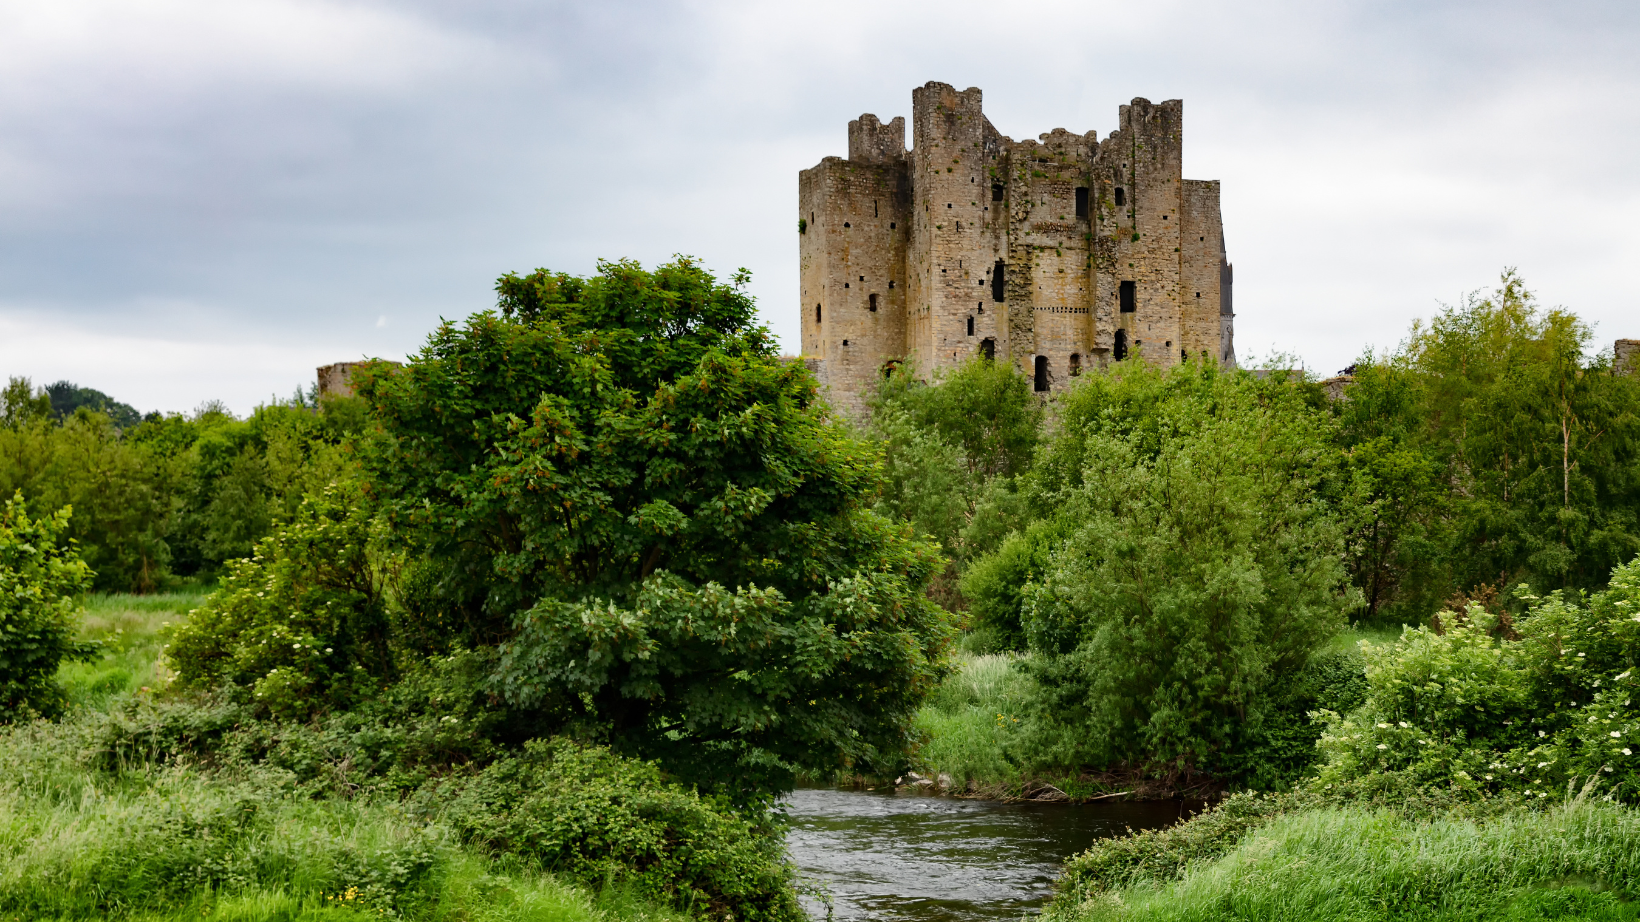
<point>901,857</point>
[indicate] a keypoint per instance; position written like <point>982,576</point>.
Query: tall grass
<point>155,843</point>
<point>131,632</point>
<point>972,722</point>
<point>1577,861</point>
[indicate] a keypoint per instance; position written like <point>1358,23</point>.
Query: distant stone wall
<point>338,378</point>
<point>1626,355</point>
<point>1069,222</point>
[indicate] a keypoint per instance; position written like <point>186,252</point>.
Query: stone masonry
<point>1058,254</point>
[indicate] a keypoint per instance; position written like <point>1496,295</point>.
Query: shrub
<point>41,575</point>
<point>590,815</point>
<point>1476,711</point>
<point>1199,569</point>
<point>302,624</point>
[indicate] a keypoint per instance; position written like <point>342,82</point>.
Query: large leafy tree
<point>1185,568</point>
<point>1490,449</point>
<point>618,481</point>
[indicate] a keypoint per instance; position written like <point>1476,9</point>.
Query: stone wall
<point>1626,356</point>
<point>1065,218</point>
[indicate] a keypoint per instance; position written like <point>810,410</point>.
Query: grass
<point>1579,861</point>
<point>131,630</point>
<point>1349,639</point>
<point>162,843</point>
<point>973,720</point>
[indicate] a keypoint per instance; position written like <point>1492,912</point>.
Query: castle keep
<point>1058,254</point>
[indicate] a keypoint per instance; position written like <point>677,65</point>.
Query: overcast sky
<point>204,199</point>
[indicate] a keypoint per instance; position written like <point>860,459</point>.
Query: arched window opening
<point>996,192</point>
<point>1041,383</point>
<point>1076,364</point>
<point>988,348</point>
<point>1121,345</point>
<point>998,284</point>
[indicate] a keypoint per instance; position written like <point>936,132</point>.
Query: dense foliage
<point>1491,704</point>
<point>301,625</point>
<point>1489,450</point>
<point>172,495</point>
<point>41,578</point>
<point>619,482</point>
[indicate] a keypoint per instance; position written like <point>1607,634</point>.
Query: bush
<point>595,817</point>
<point>1199,569</point>
<point>1486,708</point>
<point>41,575</point>
<point>302,624</point>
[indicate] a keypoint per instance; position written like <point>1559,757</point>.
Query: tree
<point>41,577</point>
<point>620,482</point>
<point>1198,569</point>
<point>1489,450</point>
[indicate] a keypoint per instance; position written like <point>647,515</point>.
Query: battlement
<point>870,141</point>
<point>1058,253</point>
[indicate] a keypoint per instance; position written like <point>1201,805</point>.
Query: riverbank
<point>99,821</point>
<point>1275,859</point>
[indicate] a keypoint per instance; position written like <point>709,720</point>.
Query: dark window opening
<point>959,225</point>
<point>970,326</point>
<point>1182,356</point>
<point>948,204</point>
<point>817,313</point>
<point>845,224</point>
<point>890,367</point>
<point>891,225</point>
<point>998,273</point>
<point>1076,364</point>
<point>1041,382</point>
<point>873,299</point>
<point>1081,201</point>
<point>891,283</point>
<point>874,208</point>
<point>1121,197</point>
<point>1120,351</point>
<point>845,284</point>
<point>982,308</point>
<point>845,342</point>
<point>1130,297</point>
<point>988,348</point>
<point>862,278</point>
<point>1198,294</point>
<point>996,192</point>
<point>1164,217</point>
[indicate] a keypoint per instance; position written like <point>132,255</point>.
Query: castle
<point>1059,254</point>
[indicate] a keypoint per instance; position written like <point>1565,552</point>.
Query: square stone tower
<point>1057,254</point>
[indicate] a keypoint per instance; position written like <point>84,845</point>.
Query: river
<point>901,857</point>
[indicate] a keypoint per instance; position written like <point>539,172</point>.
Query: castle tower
<point>1057,254</point>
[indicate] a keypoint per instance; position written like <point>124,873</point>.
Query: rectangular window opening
<point>1081,201</point>
<point>997,285</point>
<point>873,299</point>
<point>1130,297</point>
<point>1121,197</point>
<point>996,192</point>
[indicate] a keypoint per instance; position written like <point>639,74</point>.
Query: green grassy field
<point>164,843</point>
<point>1580,861</point>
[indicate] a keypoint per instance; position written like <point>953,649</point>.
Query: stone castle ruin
<point>1059,254</point>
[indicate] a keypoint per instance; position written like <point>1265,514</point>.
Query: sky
<point>203,200</point>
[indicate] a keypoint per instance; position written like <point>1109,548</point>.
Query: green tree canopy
<point>619,480</point>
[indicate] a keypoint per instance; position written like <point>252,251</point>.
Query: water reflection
<point>919,858</point>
